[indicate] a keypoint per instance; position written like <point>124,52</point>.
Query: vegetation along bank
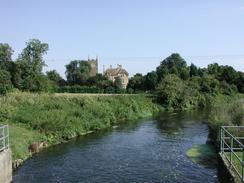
<point>57,118</point>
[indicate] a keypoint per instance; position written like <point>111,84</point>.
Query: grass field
<point>235,161</point>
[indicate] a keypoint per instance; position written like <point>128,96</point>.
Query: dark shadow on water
<point>173,122</point>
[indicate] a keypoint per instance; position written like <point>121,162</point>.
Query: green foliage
<point>5,82</point>
<point>209,84</point>
<point>55,78</point>
<point>231,113</point>
<point>151,80</point>
<point>118,83</point>
<point>170,90</point>
<point>199,85</point>
<point>193,70</point>
<point>91,89</point>
<point>33,55</point>
<point>6,52</point>
<point>53,118</point>
<point>226,112</point>
<point>79,89</point>
<point>20,138</point>
<point>240,82</point>
<point>137,82</point>
<point>78,72</point>
<point>174,64</point>
<point>99,81</point>
<point>28,67</point>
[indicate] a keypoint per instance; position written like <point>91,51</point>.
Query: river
<point>141,151</point>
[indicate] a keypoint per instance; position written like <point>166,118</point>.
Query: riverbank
<point>146,150</point>
<point>229,111</point>
<point>58,118</point>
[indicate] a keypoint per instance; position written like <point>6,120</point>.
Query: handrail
<point>231,145</point>
<point>4,137</point>
<point>224,128</point>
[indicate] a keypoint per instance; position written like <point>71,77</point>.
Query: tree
<point>37,83</point>
<point>209,84</point>
<point>174,64</point>
<point>78,72</point>
<point>28,67</point>
<point>193,70</point>
<point>118,83</point>
<point>99,81</point>
<point>6,52</point>
<point>214,69</point>
<point>137,82</point>
<point>228,74</point>
<point>151,80</point>
<point>170,90</point>
<point>5,81</point>
<point>33,54</point>
<point>240,82</point>
<point>54,76</point>
<point>6,62</point>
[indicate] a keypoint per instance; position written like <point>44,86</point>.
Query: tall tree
<point>174,64</point>
<point>55,77</point>
<point>6,62</point>
<point>170,91</point>
<point>137,82</point>
<point>193,70</point>
<point>5,81</point>
<point>33,54</point>
<point>78,72</point>
<point>6,52</point>
<point>240,82</point>
<point>228,74</point>
<point>151,80</point>
<point>28,69</point>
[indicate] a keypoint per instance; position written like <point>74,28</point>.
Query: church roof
<point>116,71</point>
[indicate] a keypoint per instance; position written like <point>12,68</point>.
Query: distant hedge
<point>91,89</point>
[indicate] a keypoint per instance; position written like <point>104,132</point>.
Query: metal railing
<point>4,137</point>
<point>232,148</point>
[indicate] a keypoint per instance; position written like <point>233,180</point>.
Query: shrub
<point>5,82</point>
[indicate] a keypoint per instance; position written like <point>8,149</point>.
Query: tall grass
<point>228,113</point>
<point>56,118</point>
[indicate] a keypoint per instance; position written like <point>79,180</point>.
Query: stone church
<point>94,66</point>
<point>112,73</point>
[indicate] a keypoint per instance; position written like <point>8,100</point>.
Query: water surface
<point>142,151</point>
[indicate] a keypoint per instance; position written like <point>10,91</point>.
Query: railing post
<point>221,140</point>
<point>8,134</point>
<point>231,149</point>
<point>1,136</point>
<point>4,139</point>
<point>223,136</point>
<point>242,165</point>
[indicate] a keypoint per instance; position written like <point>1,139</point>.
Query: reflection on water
<point>142,151</point>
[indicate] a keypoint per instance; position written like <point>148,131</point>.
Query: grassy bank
<point>226,111</point>
<point>57,118</point>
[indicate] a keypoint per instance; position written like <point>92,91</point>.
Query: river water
<point>141,151</point>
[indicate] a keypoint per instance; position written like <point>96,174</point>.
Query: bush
<point>5,82</point>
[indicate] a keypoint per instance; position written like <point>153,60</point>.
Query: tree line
<point>174,83</point>
<point>26,73</point>
<point>178,85</point>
